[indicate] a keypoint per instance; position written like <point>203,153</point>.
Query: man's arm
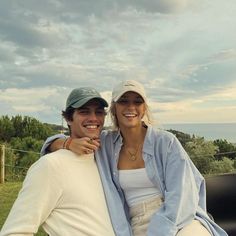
<point>79,146</point>
<point>36,200</point>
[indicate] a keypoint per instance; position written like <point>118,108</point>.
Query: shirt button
<point>114,173</point>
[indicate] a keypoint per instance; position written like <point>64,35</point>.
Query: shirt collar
<point>117,137</point>
<point>148,146</point>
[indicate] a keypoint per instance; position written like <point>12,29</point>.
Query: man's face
<point>88,120</point>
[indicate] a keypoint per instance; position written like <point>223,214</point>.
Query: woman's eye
<point>123,101</point>
<point>138,102</point>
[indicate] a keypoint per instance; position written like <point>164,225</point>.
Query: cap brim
<point>128,90</point>
<point>82,102</point>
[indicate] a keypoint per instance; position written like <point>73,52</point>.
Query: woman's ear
<point>144,111</point>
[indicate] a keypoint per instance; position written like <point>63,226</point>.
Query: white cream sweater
<point>63,193</point>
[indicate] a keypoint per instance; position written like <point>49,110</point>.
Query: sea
<point>210,131</point>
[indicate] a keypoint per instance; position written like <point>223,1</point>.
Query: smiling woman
<point>129,98</point>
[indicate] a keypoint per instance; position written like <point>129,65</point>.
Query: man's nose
<point>93,115</point>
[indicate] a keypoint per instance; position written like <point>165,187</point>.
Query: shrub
<point>222,166</point>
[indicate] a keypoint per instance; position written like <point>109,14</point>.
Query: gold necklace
<point>133,156</point>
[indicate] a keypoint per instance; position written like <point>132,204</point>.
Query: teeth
<point>91,126</point>
<point>130,115</point>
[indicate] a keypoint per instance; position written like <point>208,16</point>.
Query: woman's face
<point>129,110</point>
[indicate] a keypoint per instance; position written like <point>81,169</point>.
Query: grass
<point>8,194</point>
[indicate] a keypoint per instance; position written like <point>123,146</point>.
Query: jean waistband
<point>148,204</point>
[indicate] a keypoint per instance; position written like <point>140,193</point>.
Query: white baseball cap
<point>128,86</point>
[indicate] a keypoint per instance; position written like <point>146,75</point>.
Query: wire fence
<point>15,167</point>
<point>15,173</point>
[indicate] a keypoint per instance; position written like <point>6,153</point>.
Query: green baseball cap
<point>79,96</point>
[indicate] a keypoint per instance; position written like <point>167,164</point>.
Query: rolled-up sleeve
<point>47,143</point>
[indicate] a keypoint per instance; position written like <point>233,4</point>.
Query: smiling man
<point>62,191</point>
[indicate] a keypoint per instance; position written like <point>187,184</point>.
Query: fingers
<point>93,142</point>
<point>88,151</point>
<point>84,145</point>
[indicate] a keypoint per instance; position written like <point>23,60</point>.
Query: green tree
<point>227,149</point>
<point>225,165</point>
<point>23,136</point>
<point>28,126</point>
<point>17,123</point>
<point>202,153</point>
<point>182,137</point>
<point>26,150</point>
<point>6,129</point>
<point>10,158</point>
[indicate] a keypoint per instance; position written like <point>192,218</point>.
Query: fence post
<point>2,164</point>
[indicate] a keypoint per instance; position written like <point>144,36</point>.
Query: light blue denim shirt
<point>170,169</point>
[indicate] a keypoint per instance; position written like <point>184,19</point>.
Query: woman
<point>162,187</point>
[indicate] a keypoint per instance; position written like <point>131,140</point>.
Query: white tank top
<point>137,186</point>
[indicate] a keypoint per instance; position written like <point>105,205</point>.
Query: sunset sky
<point>182,51</point>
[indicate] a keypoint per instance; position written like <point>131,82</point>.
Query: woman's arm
<point>58,139</point>
<point>181,192</point>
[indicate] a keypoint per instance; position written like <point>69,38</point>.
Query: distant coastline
<point>210,131</point>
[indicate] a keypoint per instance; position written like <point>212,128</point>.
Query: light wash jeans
<point>141,214</point>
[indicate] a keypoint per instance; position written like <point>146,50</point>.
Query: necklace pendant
<point>133,157</point>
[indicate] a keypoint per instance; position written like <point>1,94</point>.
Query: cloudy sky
<point>183,51</point>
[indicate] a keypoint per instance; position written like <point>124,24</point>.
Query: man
<point>63,191</point>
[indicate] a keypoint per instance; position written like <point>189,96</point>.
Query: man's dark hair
<point>68,115</point>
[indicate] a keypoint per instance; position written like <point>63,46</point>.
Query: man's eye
<point>83,112</point>
<point>100,112</point>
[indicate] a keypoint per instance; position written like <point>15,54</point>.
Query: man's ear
<point>68,122</point>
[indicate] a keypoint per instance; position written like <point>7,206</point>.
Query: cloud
<point>219,106</point>
<point>179,50</point>
<point>33,101</point>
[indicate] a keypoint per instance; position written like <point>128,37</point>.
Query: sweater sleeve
<point>181,193</point>
<point>39,195</point>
